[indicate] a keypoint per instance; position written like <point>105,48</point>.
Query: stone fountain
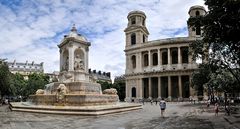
<point>76,92</point>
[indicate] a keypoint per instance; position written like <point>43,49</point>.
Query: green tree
<point>4,79</point>
<point>105,85</point>
<point>35,82</point>
<point>221,40</point>
<point>17,84</point>
<point>120,87</point>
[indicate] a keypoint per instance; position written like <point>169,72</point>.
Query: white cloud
<point>31,30</point>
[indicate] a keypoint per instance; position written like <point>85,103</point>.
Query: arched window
<point>134,92</point>
<point>133,21</point>
<point>155,59</point>
<point>133,58</point>
<point>145,60</point>
<point>197,13</point>
<point>133,39</point>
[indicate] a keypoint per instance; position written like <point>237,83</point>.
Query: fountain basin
<point>75,110</point>
<point>74,99</point>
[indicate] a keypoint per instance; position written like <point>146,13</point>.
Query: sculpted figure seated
<point>111,91</point>
<point>39,92</point>
<point>78,63</point>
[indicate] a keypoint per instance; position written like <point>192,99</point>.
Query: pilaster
<point>159,57</point>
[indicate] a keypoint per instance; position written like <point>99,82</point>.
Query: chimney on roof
<point>109,74</point>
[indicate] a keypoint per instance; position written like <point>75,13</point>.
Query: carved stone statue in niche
<point>78,63</point>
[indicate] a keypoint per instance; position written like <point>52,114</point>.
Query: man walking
<point>162,105</point>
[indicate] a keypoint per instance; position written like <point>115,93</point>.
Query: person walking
<point>216,109</point>
<point>162,105</point>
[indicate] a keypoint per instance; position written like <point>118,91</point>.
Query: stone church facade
<point>159,68</point>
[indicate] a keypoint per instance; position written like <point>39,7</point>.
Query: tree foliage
<point>18,85</point>
<point>120,87</point>
<point>4,78</point>
<point>221,40</point>
<point>35,82</point>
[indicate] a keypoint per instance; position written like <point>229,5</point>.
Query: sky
<point>32,29</point>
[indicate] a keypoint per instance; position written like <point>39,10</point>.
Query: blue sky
<point>32,29</point>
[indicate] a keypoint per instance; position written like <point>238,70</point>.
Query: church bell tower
<point>136,31</point>
<point>196,11</point>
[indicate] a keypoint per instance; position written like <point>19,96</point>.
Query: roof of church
<point>196,7</point>
<point>136,12</point>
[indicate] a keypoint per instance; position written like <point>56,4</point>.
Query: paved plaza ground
<point>178,116</point>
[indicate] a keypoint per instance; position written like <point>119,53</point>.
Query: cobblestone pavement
<point>178,116</point>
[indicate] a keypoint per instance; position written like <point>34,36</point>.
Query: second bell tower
<point>136,31</point>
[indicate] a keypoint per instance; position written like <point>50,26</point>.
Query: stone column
<point>86,60</point>
<point>140,87</point>
<point>127,90</point>
<point>169,88</point>
<point>180,86</point>
<point>127,64</point>
<point>61,59</point>
<point>71,59</point>
<point>150,87</point>
<point>179,56</point>
<point>169,56</point>
<point>190,57</point>
<point>159,59</point>
<point>140,62</point>
<point>149,58</point>
<point>159,88</point>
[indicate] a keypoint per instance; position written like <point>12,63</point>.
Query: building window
<point>174,56</point>
<point>164,58</point>
<point>133,59</point>
<point>133,92</point>
<point>145,60</point>
<point>197,13</point>
<point>133,39</point>
<point>155,59</point>
<point>133,20</point>
<point>143,22</point>
<point>143,38</point>
<point>185,55</point>
<point>198,29</point>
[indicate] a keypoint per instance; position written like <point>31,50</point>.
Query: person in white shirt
<point>162,105</point>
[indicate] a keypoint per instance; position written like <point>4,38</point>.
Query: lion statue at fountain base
<point>111,91</point>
